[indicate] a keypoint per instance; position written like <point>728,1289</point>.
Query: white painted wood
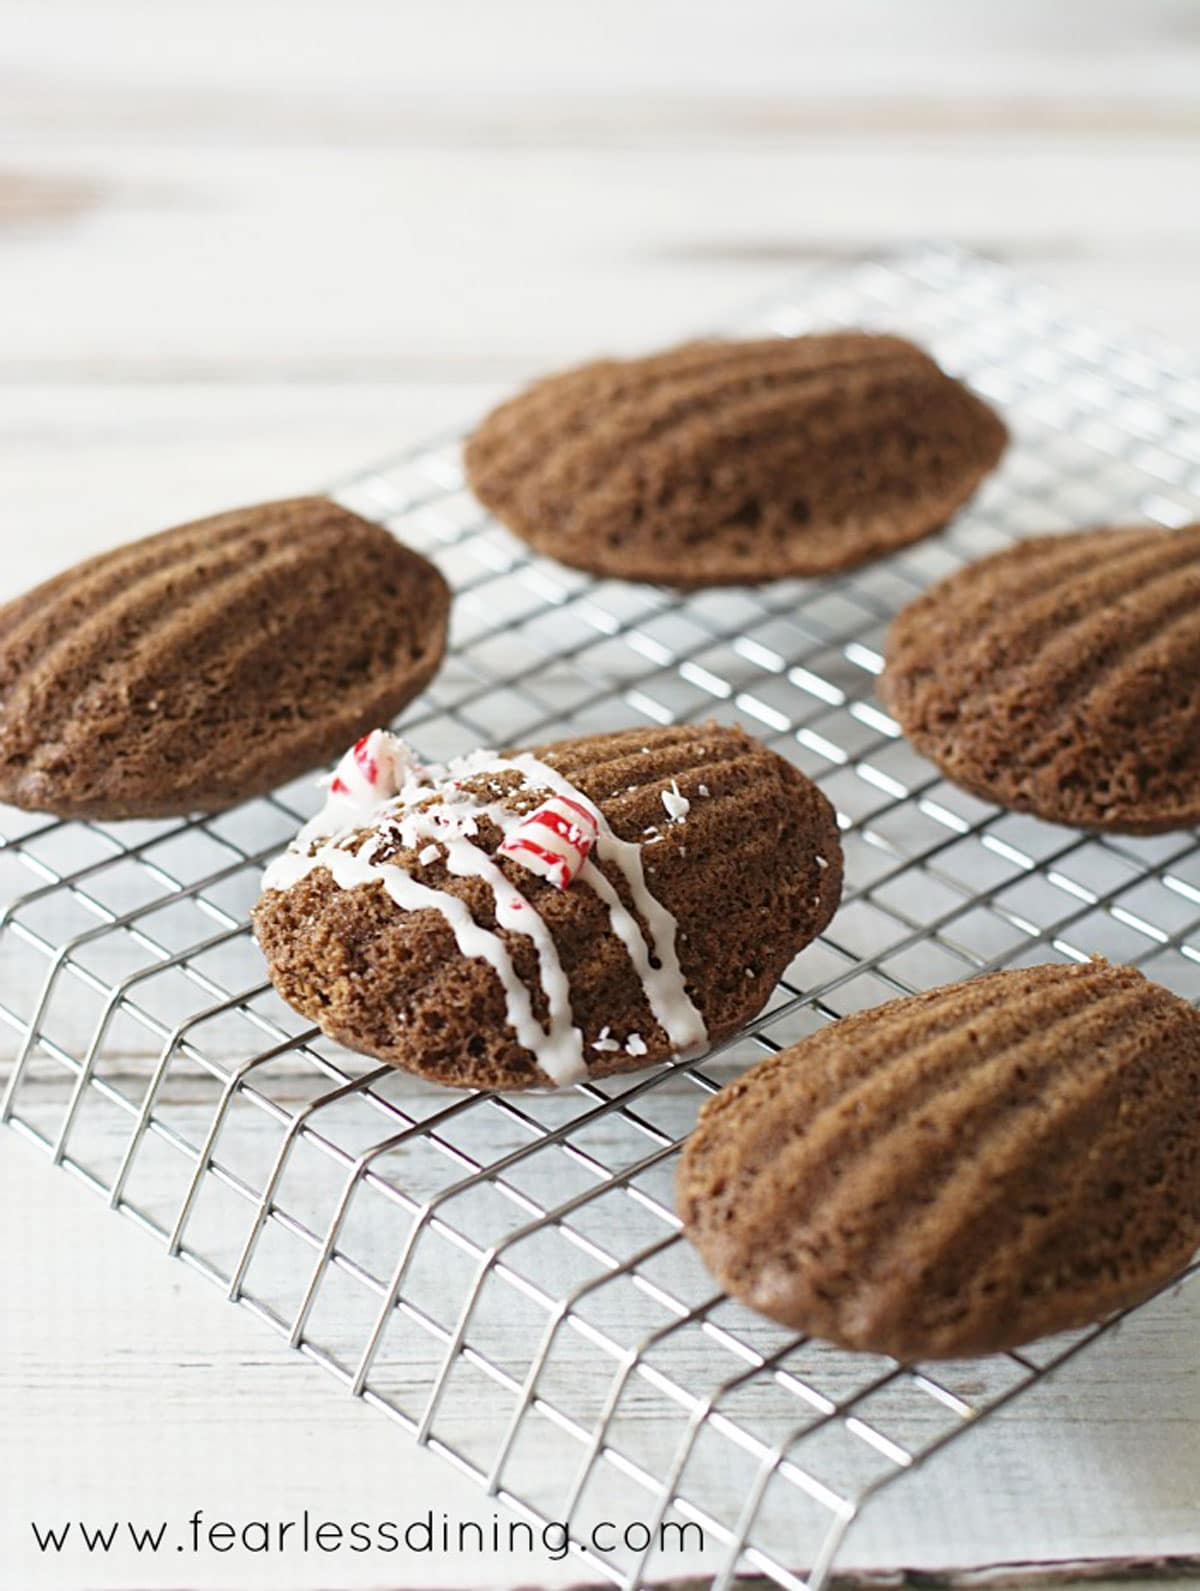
<point>245,248</point>
<point>390,53</point>
<point>87,464</point>
<point>321,265</point>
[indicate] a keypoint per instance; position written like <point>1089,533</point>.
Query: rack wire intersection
<point>505,1276</point>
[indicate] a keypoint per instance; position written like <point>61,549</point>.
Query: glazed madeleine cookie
<point>1062,677</point>
<point>962,1171</point>
<point>209,663</point>
<point>541,917</point>
<point>722,462</point>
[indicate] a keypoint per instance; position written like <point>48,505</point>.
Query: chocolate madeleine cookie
<point>1062,677</point>
<point>545,916</point>
<point>721,462</point>
<point>211,662</point>
<point>962,1171</point>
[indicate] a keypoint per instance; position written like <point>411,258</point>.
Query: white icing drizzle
<point>395,805</point>
<point>559,1049</point>
<point>559,1057</point>
<point>666,990</point>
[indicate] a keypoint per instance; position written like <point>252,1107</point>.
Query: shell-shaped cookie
<point>208,663</point>
<point>743,854</point>
<point>1062,677</point>
<point>962,1171</point>
<point>721,462</point>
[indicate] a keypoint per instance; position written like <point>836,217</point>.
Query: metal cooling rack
<point>505,1277</point>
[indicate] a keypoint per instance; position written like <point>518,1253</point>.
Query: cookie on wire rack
<point>212,662</point>
<point>1062,677</point>
<point>539,918</point>
<point>961,1171</point>
<point>716,463</point>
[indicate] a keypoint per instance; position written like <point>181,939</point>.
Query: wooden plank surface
<point>245,248</point>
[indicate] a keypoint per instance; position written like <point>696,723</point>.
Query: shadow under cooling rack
<point>505,1276</point>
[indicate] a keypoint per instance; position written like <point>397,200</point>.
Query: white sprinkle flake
<point>704,790</point>
<point>605,1042</point>
<point>678,806</point>
<point>821,862</point>
<point>635,1044</point>
<point>429,854</point>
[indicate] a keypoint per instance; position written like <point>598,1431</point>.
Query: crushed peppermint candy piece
<point>374,769</point>
<point>605,1042</point>
<point>678,806</point>
<point>635,1044</point>
<point>704,790</point>
<point>554,841</point>
<point>429,854</point>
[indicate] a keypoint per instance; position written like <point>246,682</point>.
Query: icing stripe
<point>665,987</point>
<point>559,1048</point>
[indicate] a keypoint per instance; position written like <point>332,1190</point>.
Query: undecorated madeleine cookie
<point>209,663</point>
<point>962,1171</point>
<point>538,918</point>
<point>721,462</point>
<point>1062,677</point>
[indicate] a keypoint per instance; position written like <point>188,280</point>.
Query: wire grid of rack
<point>505,1276</point>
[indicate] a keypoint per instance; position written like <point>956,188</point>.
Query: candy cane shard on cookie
<point>554,841</point>
<point>373,768</point>
<point>381,786</point>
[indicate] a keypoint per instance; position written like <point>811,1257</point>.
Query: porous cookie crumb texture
<point>1062,677</point>
<point>737,887</point>
<point>962,1171</point>
<point>721,462</point>
<point>212,662</point>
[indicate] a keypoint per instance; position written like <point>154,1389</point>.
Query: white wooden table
<point>245,248</point>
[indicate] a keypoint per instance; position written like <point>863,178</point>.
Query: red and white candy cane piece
<point>373,769</point>
<point>554,841</point>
